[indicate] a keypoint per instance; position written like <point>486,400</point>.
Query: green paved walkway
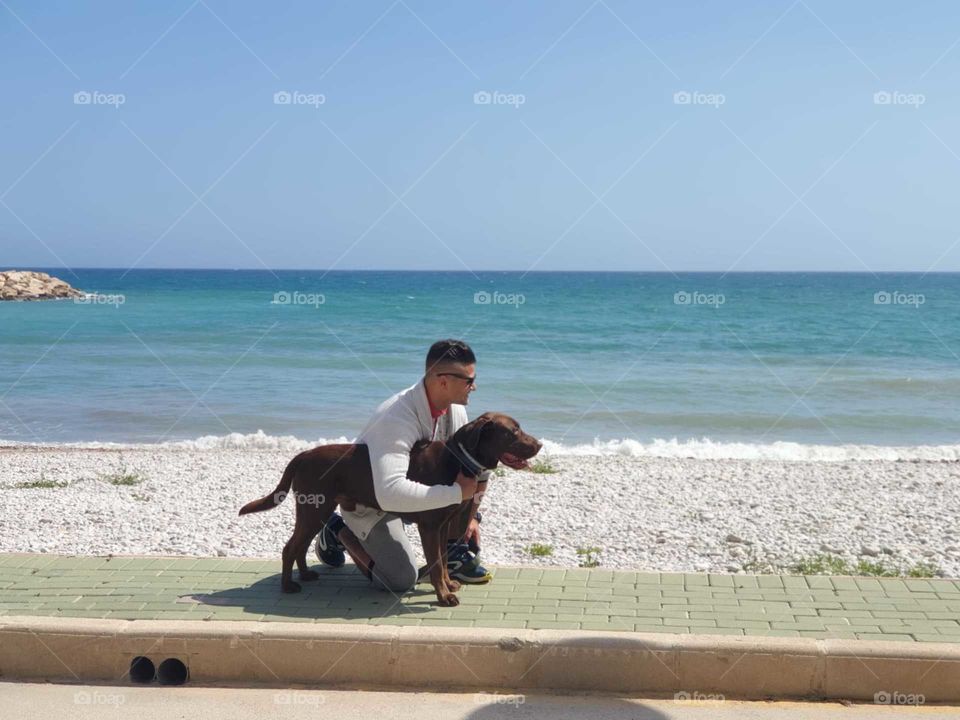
<point>227,589</point>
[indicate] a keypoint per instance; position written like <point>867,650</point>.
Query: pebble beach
<point>641,513</point>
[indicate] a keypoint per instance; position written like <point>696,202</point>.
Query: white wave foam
<point>704,449</point>
<point>255,441</point>
<point>234,441</point>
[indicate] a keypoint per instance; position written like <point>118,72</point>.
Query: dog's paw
<point>453,585</point>
<point>449,600</point>
<point>291,587</point>
<point>309,575</point>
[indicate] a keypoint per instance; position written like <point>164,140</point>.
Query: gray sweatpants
<point>394,564</point>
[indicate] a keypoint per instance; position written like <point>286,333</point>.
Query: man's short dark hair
<point>449,351</point>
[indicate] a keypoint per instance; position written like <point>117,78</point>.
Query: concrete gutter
<point>284,654</point>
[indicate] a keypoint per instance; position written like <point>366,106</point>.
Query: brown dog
<point>332,475</point>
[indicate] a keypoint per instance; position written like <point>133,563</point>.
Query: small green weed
<point>589,556</point>
<point>540,550</point>
<point>543,467</point>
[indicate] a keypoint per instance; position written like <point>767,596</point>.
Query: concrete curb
<point>284,654</point>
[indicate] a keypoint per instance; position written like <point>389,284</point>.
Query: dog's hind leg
<point>289,555</point>
<point>313,519</point>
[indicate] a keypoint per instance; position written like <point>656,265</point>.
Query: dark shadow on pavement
<point>517,706</point>
<point>339,594</point>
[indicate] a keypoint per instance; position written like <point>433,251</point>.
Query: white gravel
<point>645,513</point>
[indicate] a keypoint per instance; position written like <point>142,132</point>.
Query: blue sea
<point>606,360</point>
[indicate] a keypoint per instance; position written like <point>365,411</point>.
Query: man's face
<point>458,388</point>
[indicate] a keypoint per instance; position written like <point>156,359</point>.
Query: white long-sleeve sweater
<point>396,425</point>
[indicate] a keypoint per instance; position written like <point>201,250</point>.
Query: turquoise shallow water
<point>819,358</point>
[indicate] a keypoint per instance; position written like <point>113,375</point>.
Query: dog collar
<point>471,464</point>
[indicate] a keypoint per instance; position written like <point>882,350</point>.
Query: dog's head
<point>495,438</point>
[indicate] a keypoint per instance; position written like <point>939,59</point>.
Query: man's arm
<point>459,418</point>
<point>389,447</point>
<point>481,488</point>
<point>473,525</point>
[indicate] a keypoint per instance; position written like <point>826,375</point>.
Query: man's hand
<point>468,486</point>
<point>473,533</point>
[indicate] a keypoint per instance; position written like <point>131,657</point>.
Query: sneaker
<point>464,566</point>
<point>329,548</point>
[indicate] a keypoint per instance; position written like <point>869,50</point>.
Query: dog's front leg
<point>445,530</point>
<point>433,549</point>
<point>448,585</point>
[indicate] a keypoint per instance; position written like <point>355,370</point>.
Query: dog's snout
<point>531,442</point>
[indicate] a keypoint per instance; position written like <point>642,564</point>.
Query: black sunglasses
<point>466,378</point>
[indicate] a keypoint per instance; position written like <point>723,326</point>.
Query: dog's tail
<point>278,495</point>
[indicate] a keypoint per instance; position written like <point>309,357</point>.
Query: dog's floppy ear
<point>473,436</point>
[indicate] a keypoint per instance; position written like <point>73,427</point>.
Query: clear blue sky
<point>494,186</point>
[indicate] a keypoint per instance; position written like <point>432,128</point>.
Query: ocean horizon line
<point>724,273</point>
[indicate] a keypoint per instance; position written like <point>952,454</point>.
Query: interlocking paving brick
<point>500,623</point>
<point>689,622</point>
<point>869,585</point>
<point>798,624</point>
<point>195,589</point>
<point>770,581</point>
<point>720,580</point>
<point>898,614</point>
<point>718,631</point>
<point>828,634</point>
<point>751,624</point>
<point>920,637</point>
<point>852,627</point>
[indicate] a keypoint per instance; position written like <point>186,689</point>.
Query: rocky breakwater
<point>26,285</point>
